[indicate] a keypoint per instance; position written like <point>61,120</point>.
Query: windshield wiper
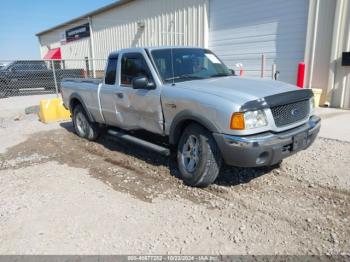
<point>183,77</point>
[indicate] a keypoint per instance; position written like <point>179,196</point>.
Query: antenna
<point>172,65</point>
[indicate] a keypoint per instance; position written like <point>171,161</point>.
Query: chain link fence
<point>27,77</point>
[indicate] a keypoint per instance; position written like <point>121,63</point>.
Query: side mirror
<point>142,82</point>
<point>232,72</point>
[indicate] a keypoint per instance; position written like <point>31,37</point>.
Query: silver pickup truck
<point>188,97</point>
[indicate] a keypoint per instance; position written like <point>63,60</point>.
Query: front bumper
<point>269,148</point>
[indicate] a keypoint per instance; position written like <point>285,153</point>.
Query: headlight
<point>248,120</point>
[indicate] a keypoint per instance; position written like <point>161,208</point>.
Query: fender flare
<point>181,118</point>
<point>81,101</point>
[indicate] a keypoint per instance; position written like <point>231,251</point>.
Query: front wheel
<point>83,126</point>
<point>198,156</point>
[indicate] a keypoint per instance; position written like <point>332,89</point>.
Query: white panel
<point>241,30</point>
<point>167,22</point>
<point>73,50</point>
<point>341,89</point>
<point>323,46</point>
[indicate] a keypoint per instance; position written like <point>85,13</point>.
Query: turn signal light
<point>237,121</point>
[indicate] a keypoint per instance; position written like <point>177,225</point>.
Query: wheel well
<point>73,103</point>
<point>180,127</point>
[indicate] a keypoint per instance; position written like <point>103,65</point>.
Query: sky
<point>20,20</point>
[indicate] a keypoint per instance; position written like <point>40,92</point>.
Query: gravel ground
<point>60,194</point>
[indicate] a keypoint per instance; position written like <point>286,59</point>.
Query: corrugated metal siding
<point>341,88</point>
<point>49,41</point>
<point>318,58</point>
<point>74,50</point>
<point>167,22</point>
<point>241,30</point>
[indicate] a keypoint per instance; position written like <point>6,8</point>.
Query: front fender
<point>184,117</point>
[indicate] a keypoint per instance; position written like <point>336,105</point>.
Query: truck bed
<point>83,80</point>
<point>87,89</point>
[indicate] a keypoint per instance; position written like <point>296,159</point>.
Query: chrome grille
<point>290,113</point>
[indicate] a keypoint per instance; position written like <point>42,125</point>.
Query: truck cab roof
<point>152,48</point>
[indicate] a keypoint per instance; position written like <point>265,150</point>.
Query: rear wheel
<point>199,159</point>
<point>83,126</point>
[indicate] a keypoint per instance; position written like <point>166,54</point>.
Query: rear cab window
<point>111,70</point>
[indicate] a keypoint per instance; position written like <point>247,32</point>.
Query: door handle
<point>119,95</point>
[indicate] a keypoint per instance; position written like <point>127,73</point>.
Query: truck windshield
<point>182,64</point>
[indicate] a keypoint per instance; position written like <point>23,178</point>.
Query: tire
<point>198,156</point>
<point>83,126</point>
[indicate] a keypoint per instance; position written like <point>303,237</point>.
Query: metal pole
<point>92,51</point>
<point>262,65</point>
<point>314,39</point>
<point>273,71</point>
<point>54,77</point>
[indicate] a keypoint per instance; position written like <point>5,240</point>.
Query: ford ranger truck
<point>188,97</point>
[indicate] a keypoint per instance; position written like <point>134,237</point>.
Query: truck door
<point>138,108</point>
<point>109,92</point>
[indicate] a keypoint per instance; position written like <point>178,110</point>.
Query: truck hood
<point>238,89</point>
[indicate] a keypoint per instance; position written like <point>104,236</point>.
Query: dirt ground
<point>60,194</point>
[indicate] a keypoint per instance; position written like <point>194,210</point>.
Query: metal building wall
<point>339,79</point>
<point>166,22</point>
<point>73,50</point>
<point>241,30</point>
<point>319,44</point>
<point>328,37</point>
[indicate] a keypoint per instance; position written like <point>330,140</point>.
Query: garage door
<point>241,30</point>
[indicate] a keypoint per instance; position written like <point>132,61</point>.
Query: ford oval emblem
<point>294,112</point>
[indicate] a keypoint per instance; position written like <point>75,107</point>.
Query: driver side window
<point>134,65</point>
